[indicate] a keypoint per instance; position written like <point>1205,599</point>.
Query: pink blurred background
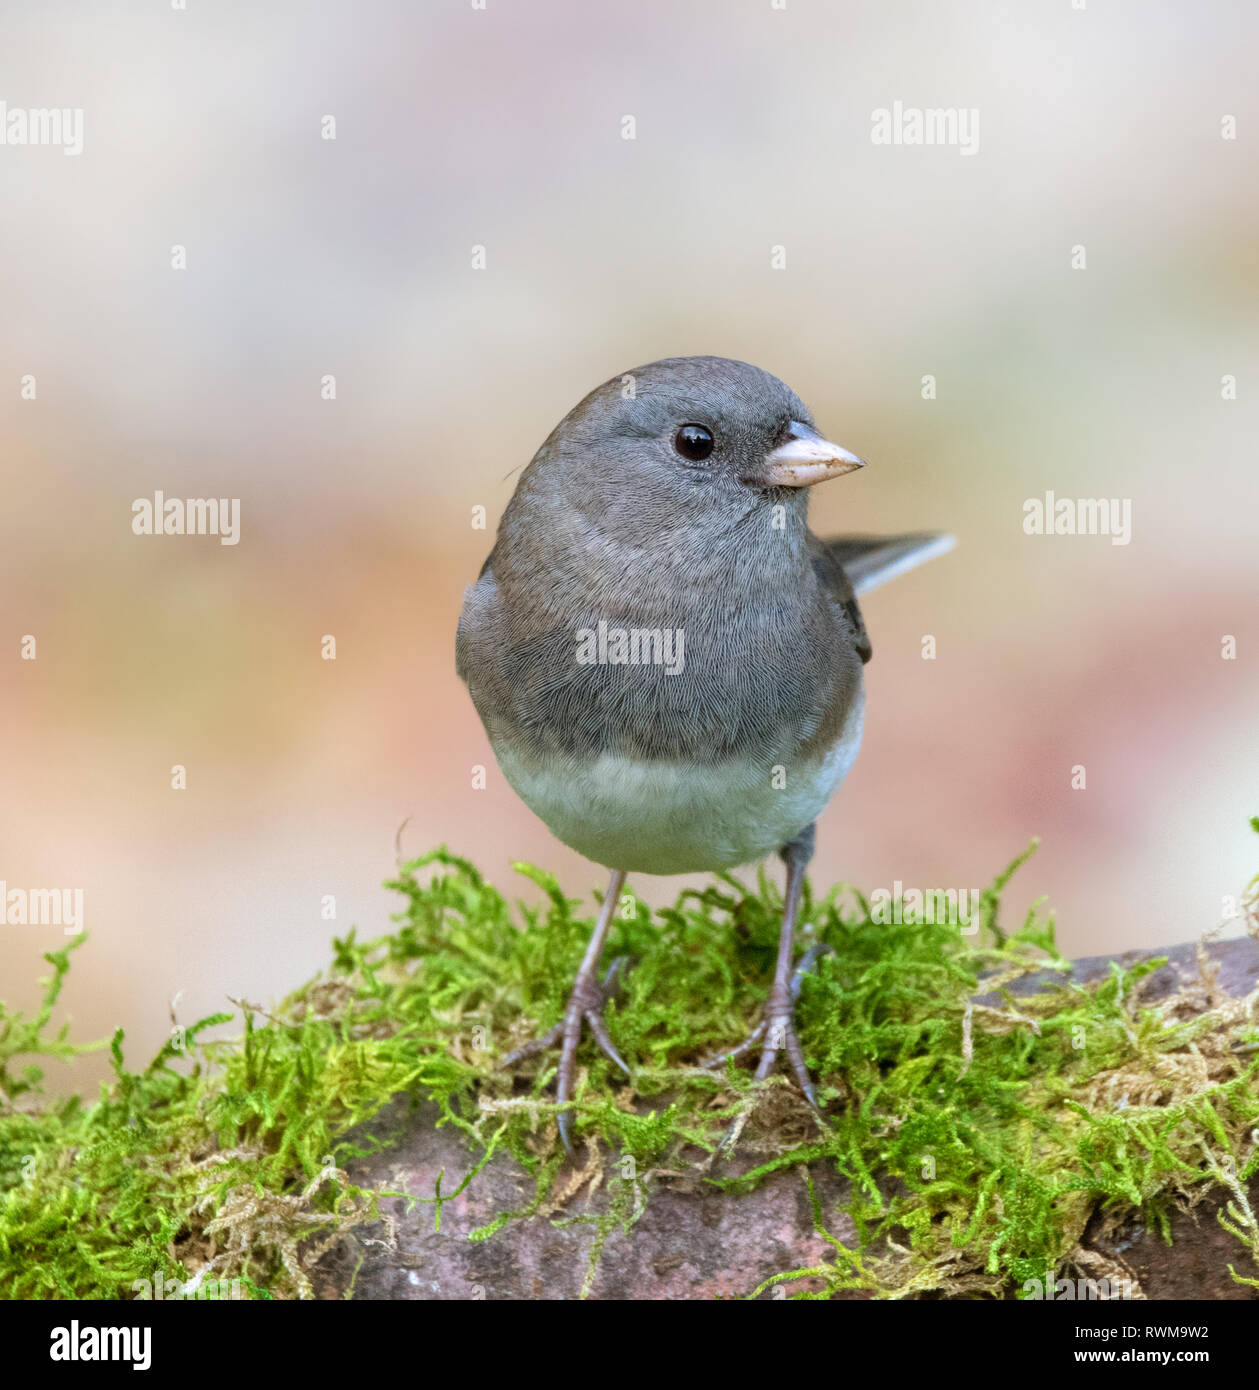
<point>502,127</point>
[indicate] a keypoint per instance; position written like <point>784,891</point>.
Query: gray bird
<point>668,663</point>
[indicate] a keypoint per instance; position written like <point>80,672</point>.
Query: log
<point>695,1241</point>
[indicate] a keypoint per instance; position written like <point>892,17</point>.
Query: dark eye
<point>693,442</point>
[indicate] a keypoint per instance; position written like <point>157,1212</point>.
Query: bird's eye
<point>693,442</point>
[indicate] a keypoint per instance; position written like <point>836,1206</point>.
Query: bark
<point>694,1242</point>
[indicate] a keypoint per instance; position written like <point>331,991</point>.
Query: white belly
<point>674,818</point>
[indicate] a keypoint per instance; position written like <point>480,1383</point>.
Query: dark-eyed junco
<point>667,661</point>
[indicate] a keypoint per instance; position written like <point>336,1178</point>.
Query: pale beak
<point>806,458</point>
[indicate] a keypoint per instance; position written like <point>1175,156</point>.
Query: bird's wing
<point>835,581</point>
<point>869,561</point>
<point>852,565</point>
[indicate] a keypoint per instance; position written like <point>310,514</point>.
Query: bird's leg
<point>807,962</point>
<point>611,985</point>
<point>777,1030</point>
<point>585,1002</point>
<point>780,1029</point>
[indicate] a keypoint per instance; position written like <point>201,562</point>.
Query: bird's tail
<point>870,561</point>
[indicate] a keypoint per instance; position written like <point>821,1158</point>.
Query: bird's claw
<point>746,1045</point>
<point>533,1046</point>
<point>807,962</point>
<point>776,1032</point>
<point>586,1002</point>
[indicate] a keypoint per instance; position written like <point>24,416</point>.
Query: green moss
<point>977,1140</point>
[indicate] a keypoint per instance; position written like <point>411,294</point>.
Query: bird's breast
<point>671,815</point>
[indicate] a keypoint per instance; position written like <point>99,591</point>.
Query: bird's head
<point>690,436</point>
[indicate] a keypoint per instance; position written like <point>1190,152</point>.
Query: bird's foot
<point>776,1033</point>
<point>586,1002</point>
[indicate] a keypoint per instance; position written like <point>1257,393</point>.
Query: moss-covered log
<point>992,1117</point>
<point>696,1240</point>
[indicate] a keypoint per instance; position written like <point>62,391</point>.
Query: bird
<point>667,662</point>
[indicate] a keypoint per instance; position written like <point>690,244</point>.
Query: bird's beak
<point>805,458</point>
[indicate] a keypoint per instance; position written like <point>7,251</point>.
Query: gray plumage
<point>608,523</point>
<point>671,504</point>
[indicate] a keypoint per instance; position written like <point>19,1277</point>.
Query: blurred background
<point>1100,127</point>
